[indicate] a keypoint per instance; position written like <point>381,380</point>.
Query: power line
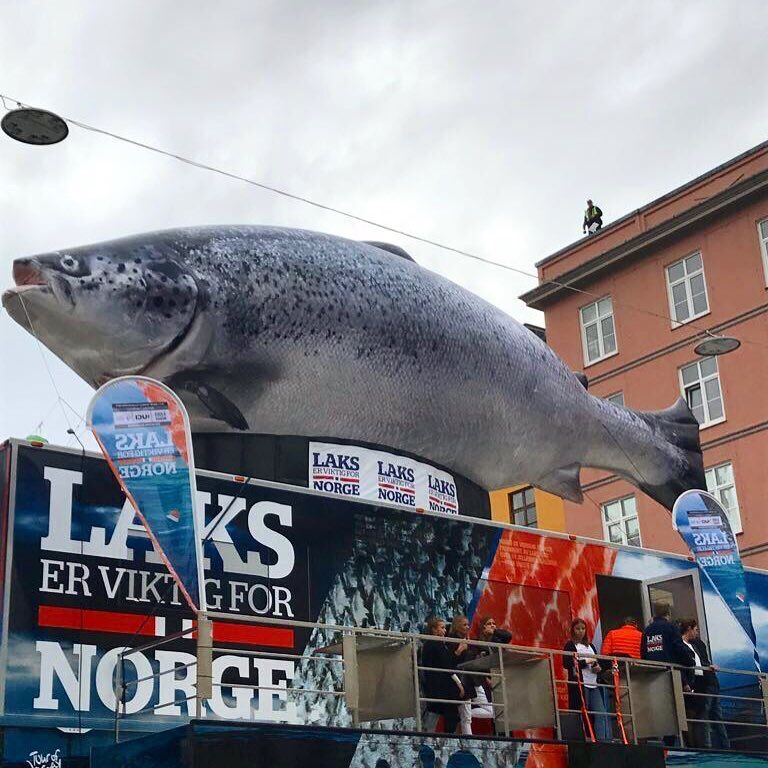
<point>59,398</point>
<point>361,219</point>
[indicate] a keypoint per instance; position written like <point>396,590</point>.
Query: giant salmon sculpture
<point>285,331</point>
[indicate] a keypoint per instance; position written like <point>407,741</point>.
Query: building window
<point>701,388</point>
<point>687,289</point>
<point>620,523</point>
<point>617,398</point>
<point>721,485</point>
<point>598,336</point>
<point>523,504</point>
<point>762,229</point>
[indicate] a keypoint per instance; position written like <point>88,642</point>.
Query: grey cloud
<point>484,126</point>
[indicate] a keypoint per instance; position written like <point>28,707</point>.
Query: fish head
<point>106,310</point>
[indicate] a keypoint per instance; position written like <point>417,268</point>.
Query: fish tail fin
<point>678,430</point>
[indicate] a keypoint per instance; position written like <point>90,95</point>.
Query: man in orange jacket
<point>624,641</point>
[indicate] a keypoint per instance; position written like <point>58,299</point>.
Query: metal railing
<point>342,669</point>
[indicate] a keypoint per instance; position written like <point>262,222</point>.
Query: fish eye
<point>68,262</point>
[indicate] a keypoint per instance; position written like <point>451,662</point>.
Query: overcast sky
<point>482,125</point>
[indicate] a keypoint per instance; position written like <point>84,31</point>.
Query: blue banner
<point>143,430</point>
<point>703,523</point>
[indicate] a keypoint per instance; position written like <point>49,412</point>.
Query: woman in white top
<point>582,666</point>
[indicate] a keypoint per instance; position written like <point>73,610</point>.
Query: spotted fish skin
<point>287,331</point>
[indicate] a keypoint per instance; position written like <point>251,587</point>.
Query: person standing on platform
<point>624,641</point>
<point>440,681</point>
<point>717,733</point>
<point>483,713</point>
<point>460,630</point>
<point>698,733</point>
<point>593,219</point>
<point>713,732</point>
<point>662,642</point>
<point>583,667</point>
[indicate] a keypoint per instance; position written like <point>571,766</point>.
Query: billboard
<point>85,582</point>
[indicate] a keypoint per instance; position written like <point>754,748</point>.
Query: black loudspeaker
<point>599,755</point>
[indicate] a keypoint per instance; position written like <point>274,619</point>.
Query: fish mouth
<point>26,272</point>
<point>32,280</point>
<point>27,276</point>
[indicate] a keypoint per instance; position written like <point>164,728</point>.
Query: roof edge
<point>756,150</point>
<point>545,292</point>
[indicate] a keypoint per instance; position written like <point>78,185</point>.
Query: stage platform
<point>233,745</point>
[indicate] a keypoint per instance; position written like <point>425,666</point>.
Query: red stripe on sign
<point>95,621</point>
<point>245,634</point>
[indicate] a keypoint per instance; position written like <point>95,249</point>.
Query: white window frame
<point>709,422</point>
<point>686,280</point>
<point>597,322</point>
<point>621,520</point>
<point>763,246</point>
<point>613,398</point>
<point>734,515</point>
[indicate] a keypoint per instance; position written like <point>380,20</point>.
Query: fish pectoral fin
<point>218,405</point>
<point>563,482</point>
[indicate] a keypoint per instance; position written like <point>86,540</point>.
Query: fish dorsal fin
<point>396,249</point>
<point>563,482</point>
<point>582,377</point>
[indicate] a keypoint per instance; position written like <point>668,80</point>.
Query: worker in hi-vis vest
<point>593,218</point>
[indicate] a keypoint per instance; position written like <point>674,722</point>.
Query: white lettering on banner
<point>148,469</point>
<point>59,537</point>
<point>710,560</point>
<point>248,703</point>
<point>347,470</point>
<point>52,573</point>
<point>140,441</point>
<point>53,661</point>
<point>335,471</point>
<point>170,683</point>
<point>713,539</point>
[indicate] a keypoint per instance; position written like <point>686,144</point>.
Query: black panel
<point>614,756</point>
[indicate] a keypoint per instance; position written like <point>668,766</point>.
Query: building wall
<point>550,510</point>
<point>651,352</point>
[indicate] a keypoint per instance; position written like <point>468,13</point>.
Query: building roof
<point>738,191</point>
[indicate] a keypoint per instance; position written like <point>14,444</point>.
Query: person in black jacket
<point>714,733</point>
<point>698,733</point>
<point>584,691</point>
<point>662,641</point>
<point>482,687</point>
<point>440,682</point>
